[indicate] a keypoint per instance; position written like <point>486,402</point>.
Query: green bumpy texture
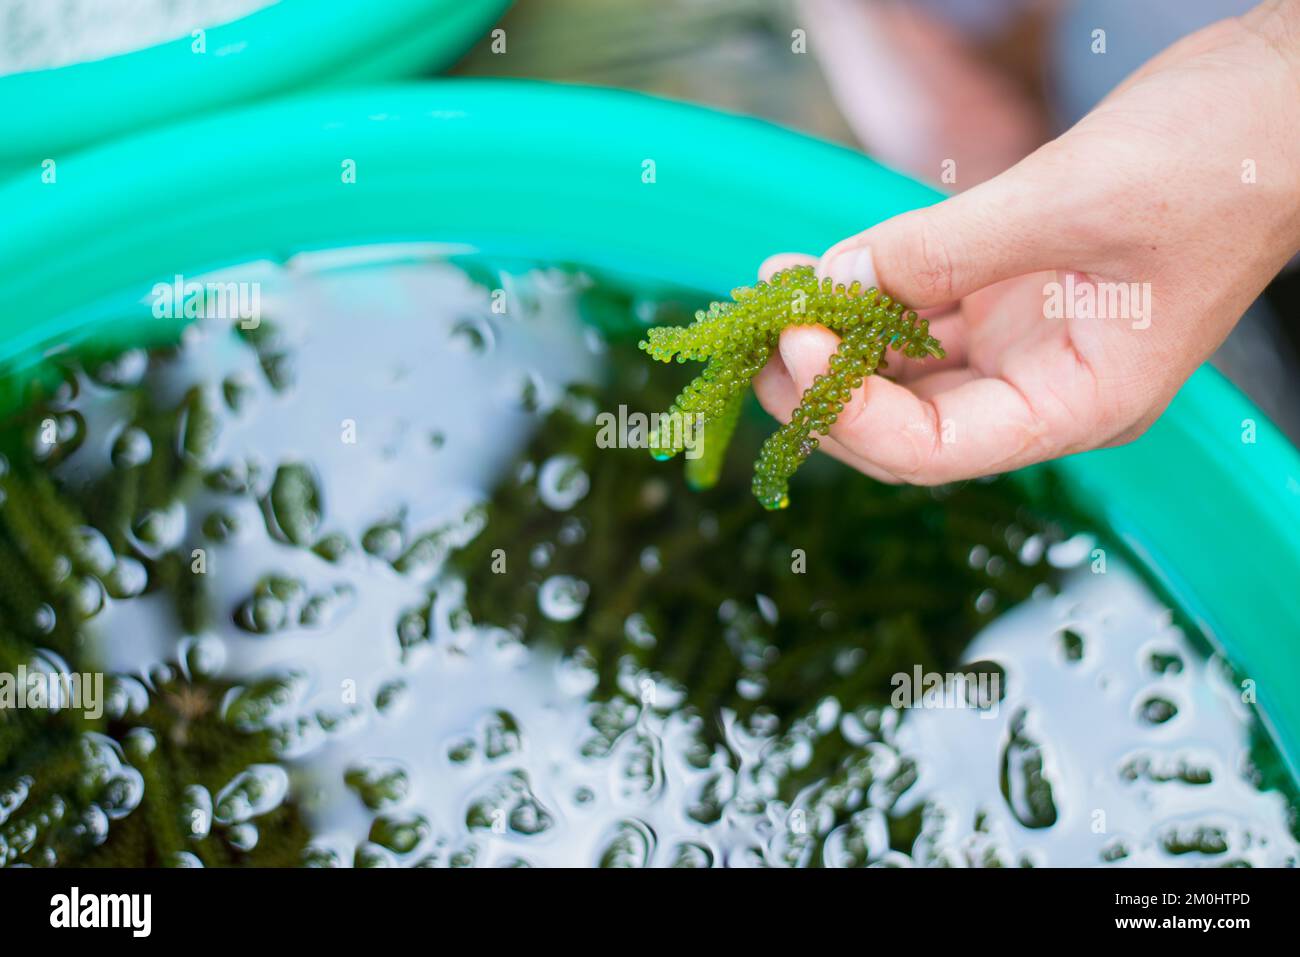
<point>736,339</point>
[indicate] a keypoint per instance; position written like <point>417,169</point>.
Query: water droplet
<point>202,656</point>
<point>333,547</point>
<point>88,597</point>
<point>379,783</point>
<point>474,336</point>
<point>221,525</point>
<point>1072,552</point>
<point>131,448</point>
<point>1157,709</point>
<point>158,530</point>
<point>92,551</point>
<point>125,696</point>
<point>372,855</point>
<point>692,854</point>
<point>391,696</point>
<point>121,793</point>
<point>139,744</point>
<point>44,619</point>
<point>384,540</point>
<point>637,630</point>
<point>244,477</point>
<point>294,506</point>
<point>123,371</point>
<point>274,605</point>
<point>318,855</point>
<point>242,837</point>
<point>562,597</point>
<point>1071,644</point>
<point>323,609</point>
<point>413,628</point>
<point>1025,786</point>
<point>255,791</point>
<point>128,578</point>
<point>1165,663</point>
<point>650,560</point>
<point>238,391</point>
<point>532,393</point>
<point>562,483</point>
<point>401,835</point>
<point>541,555</point>
<point>572,531</point>
<point>195,812</point>
<point>508,804</point>
<point>500,735</point>
<point>58,436</point>
<point>631,845</point>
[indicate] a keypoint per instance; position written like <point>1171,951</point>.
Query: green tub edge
<point>289,45</point>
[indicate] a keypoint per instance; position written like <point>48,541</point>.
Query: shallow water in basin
<point>368,592</point>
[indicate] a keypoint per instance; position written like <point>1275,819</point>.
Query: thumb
<point>1008,226</point>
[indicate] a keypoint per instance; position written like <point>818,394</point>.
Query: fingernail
<point>849,266</point>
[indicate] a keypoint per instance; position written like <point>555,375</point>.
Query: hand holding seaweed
<point>1069,290</point>
<point>735,341</point>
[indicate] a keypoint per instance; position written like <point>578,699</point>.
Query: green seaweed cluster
<point>736,339</point>
<point>167,745</point>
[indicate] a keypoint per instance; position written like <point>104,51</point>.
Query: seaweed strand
<point>737,338</point>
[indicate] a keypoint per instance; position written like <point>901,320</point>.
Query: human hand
<point>1175,202</point>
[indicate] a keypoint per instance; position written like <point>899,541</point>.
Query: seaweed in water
<point>141,783</point>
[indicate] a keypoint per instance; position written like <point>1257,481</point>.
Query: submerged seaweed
<point>736,339</point>
<point>134,786</point>
<point>680,679</point>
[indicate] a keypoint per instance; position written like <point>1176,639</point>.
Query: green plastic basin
<point>292,44</point>
<point>557,173</point>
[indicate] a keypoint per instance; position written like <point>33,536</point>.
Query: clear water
<point>437,625</point>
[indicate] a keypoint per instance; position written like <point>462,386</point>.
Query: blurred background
<point>912,82</point>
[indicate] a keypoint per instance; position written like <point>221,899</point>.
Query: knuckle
<point>932,267</point>
<point>918,450</point>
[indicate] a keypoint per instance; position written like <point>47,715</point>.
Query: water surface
<point>432,623</point>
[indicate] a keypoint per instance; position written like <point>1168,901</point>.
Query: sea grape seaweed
<point>735,341</point>
<point>64,775</point>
